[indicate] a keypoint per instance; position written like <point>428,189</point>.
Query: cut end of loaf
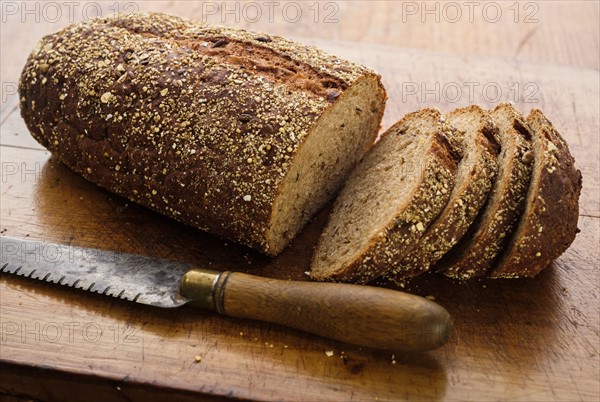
<point>338,140</point>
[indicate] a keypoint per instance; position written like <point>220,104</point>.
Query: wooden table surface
<point>513,340</point>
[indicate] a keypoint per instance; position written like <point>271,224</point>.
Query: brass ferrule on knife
<point>204,288</point>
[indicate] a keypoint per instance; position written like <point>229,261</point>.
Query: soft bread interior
<point>339,139</point>
<point>468,125</point>
<point>374,195</point>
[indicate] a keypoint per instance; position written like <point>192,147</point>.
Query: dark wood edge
<point>49,385</point>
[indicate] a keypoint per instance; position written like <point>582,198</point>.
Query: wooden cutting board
<point>522,339</point>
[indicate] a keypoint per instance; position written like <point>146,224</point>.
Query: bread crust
<point>199,123</point>
<point>549,222</point>
<point>427,201</point>
<point>463,205</point>
<point>476,252</point>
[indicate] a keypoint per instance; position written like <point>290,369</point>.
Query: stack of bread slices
<point>467,194</point>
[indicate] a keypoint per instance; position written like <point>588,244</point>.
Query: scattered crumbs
<point>241,333</point>
<point>285,346</point>
<point>247,198</point>
<point>255,339</point>
<point>118,388</point>
<point>430,297</point>
<point>484,286</point>
<point>307,273</point>
<point>3,230</point>
<point>268,344</point>
<point>198,358</point>
<point>538,254</point>
<point>393,359</point>
<point>329,353</point>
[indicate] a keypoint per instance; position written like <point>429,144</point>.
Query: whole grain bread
<point>548,224</point>
<point>389,200</point>
<point>241,134</point>
<point>476,252</point>
<point>476,136</point>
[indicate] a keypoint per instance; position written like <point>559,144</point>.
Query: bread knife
<point>355,314</point>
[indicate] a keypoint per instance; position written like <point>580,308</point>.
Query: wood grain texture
<point>549,32</point>
<point>514,340</point>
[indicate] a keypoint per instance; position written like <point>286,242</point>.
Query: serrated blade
<point>137,278</point>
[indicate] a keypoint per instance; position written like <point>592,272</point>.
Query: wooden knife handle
<point>356,314</point>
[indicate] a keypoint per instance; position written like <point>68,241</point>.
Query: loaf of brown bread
<point>241,134</point>
<point>389,200</point>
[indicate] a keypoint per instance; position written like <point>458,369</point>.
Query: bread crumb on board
<point>197,358</point>
<point>329,353</point>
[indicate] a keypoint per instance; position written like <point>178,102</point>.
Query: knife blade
<point>360,315</point>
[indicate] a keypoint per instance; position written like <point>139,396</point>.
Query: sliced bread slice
<point>549,222</point>
<point>475,253</point>
<point>475,175</point>
<point>388,201</point>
